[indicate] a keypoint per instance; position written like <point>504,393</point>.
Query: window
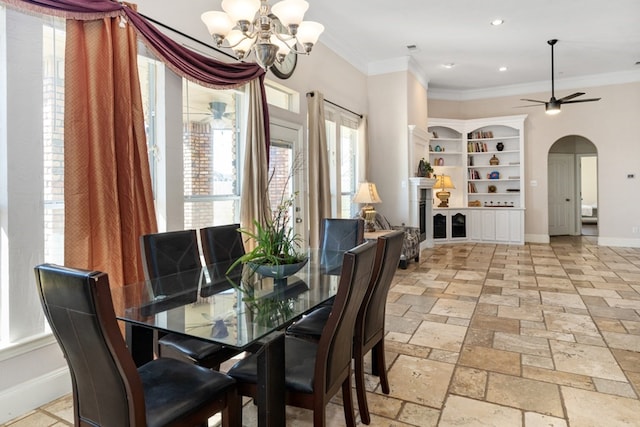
<point>342,143</point>
<point>53,42</point>
<point>282,97</point>
<point>212,156</point>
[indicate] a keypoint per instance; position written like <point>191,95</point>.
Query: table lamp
<point>368,194</point>
<point>443,182</point>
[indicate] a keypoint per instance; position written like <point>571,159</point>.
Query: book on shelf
<point>472,187</point>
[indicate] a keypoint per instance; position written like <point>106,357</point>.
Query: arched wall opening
<point>573,187</point>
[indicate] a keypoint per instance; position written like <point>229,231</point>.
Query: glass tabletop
<point>234,308</point>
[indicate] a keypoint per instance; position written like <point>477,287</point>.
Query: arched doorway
<point>573,187</point>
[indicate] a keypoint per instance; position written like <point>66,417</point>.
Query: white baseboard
<point>537,238</point>
<point>619,242</point>
<point>26,397</point>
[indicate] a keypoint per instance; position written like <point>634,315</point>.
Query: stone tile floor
<point>496,335</point>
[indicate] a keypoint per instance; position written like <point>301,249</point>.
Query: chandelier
<point>270,32</point>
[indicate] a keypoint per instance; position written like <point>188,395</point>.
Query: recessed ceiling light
<point>502,69</point>
<point>449,65</point>
<point>497,22</point>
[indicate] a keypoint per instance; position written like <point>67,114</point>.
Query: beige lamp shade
<point>367,193</point>
<point>443,182</point>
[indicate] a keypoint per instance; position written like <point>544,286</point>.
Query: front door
<point>561,194</point>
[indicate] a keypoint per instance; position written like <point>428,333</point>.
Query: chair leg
<point>381,365</point>
<point>347,402</point>
<point>361,391</point>
<point>232,413</point>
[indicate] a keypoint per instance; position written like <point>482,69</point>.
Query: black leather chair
<point>315,371</point>
<point>221,246</point>
<point>168,253</point>
<point>338,235</point>
<point>369,331</point>
<point>108,389</point>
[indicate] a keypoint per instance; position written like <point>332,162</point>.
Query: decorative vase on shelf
<point>499,146</point>
<point>494,160</point>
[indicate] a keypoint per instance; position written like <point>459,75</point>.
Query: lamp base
<point>369,216</point>
<point>444,198</point>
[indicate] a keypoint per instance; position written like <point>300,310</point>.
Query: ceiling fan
<point>553,105</point>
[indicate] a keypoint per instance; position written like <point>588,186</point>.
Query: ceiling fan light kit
<point>552,106</point>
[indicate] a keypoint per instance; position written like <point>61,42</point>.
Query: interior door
<point>561,194</point>
<point>286,142</point>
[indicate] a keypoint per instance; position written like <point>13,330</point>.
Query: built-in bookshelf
<point>485,160</point>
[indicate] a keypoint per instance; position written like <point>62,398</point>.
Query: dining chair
<point>338,235</point>
<point>165,254</point>
<point>315,371</point>
<point>108,389</point>
<point>369,330</point>
<point>221,246</point>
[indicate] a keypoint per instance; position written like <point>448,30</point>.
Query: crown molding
<point>399,64</point>
<point>536,87</point>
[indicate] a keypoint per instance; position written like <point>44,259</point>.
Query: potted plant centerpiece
<point>277,252</point>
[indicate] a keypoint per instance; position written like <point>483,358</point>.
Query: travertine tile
<point>590,409</point>
<point>439,335</point>
<point>418,415</point>
<point>521,344</point>
<point>573,323</point>
<point>532,419</point>
<point>619,388</point>
<point>462,411</point>
<point>420,381</point>
<point>490,359</point>
<point>454,308</point>
<point>469,382</point>
<point>585,360</point>
<point>622,341</point>
<point>523,393</point>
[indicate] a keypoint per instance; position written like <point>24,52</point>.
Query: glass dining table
<point>239,309</point>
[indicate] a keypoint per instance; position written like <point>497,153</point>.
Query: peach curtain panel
<point>108,194</point>
<point>318,167</point>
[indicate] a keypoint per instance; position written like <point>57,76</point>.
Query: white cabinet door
<point>503,226</point>
<point>475,225</point>
<point>489,225</point>
<point>516,227</point>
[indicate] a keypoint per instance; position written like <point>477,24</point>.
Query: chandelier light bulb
<point>290,12</point>
<point>241,10</point>
<point>218,23</point>
<point>308,33</point>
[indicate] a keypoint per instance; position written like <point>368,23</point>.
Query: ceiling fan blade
<point>534,100</point>
<point>568,97</point>
<point>526,106</point>
<point>581,100</point>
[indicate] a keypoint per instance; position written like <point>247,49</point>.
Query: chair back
<point>372,312</point>
<point>221,243</point>
<point>336,342</point>
<point>107,390</point>
<point>338,235</point>
<point>169,253</point>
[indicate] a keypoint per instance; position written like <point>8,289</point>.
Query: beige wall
<point>612,125</point>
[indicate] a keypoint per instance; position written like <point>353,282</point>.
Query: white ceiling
<point>595,37</point>
<point>599,40</point>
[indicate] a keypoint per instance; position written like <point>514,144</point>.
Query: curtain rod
<point>188,36</point>
<point>336,105</point>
